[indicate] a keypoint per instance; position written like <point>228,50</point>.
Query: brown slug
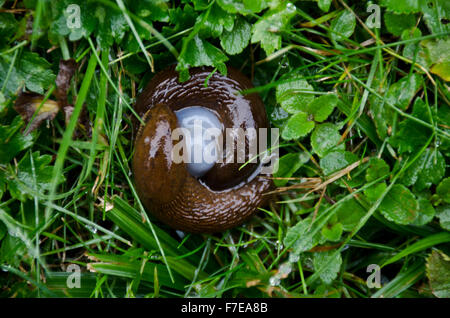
<point>218,197</point>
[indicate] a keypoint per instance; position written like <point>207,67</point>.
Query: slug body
<point>220,196</point>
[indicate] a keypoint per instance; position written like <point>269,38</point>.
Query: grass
<point>95,220</point>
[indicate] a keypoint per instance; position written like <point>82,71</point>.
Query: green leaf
<point>299,238</point>
<point>401,92</point>
<point>402,6</point>
<point>199,5</point>
<point>443,190</point>
<point>3,180</point>
<point>410,134</point>
<point>254,6</point>
<point>415,50</point>
<point>111,28</point>
<point>433,54</point>
<point>443,214</point>
<point>36,72</point>
<point>332,232</point>
<point>375,191</point>
<point>444,115</point>
<point>425,214</point>
<point>382,116</point>
<point>279,116</point>
<point>12,141</point>
<point>349,213</point>
<point>154,10</point>
<point>217,21</point>
<point>322,107</point>
<point>35,173</point>
<point>377,169</point>
<point>438,269</point>
<point>332,269</point>
<point>399,205</point>
<point>442,69</point>
<point>337,160</point>
<point>2,231</point>
<point>297,126</point>
<point>428,169</point>
<point>443,120</point>
<point>343,26</point>
<point>8,25</point>
<point>325,138</point>
<point>266,30</point>
<point>434,12</point>
<point>324,5</point>
<point>287,165</point>
<point>181,18</point>
<point>398,23</point>
<point>200,53</point>
<point>326,291</point>
<point>291,96</point>
<point>437,55</point>
<point>12,249</point>
<point>30,70</point>
<point>233,6</point>
<point>236,40</point>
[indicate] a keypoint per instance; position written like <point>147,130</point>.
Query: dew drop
<point>274,280</point>
<point>285,269</point>
<point>294,258</point>
<point>92,229</point>
<point>180,234</point>
<point>291,7</point>
<point>13,233</point>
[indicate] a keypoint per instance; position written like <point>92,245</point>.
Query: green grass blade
<point>402,281</point>
<point>99,118</point>
<point>423,244</point>
<point>67,137</point>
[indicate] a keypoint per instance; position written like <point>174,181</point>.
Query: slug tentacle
<point>225,196</point>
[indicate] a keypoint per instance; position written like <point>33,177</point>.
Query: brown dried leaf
<point>66,70</point>
<point>28,105</point>
<point>84,124</point>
